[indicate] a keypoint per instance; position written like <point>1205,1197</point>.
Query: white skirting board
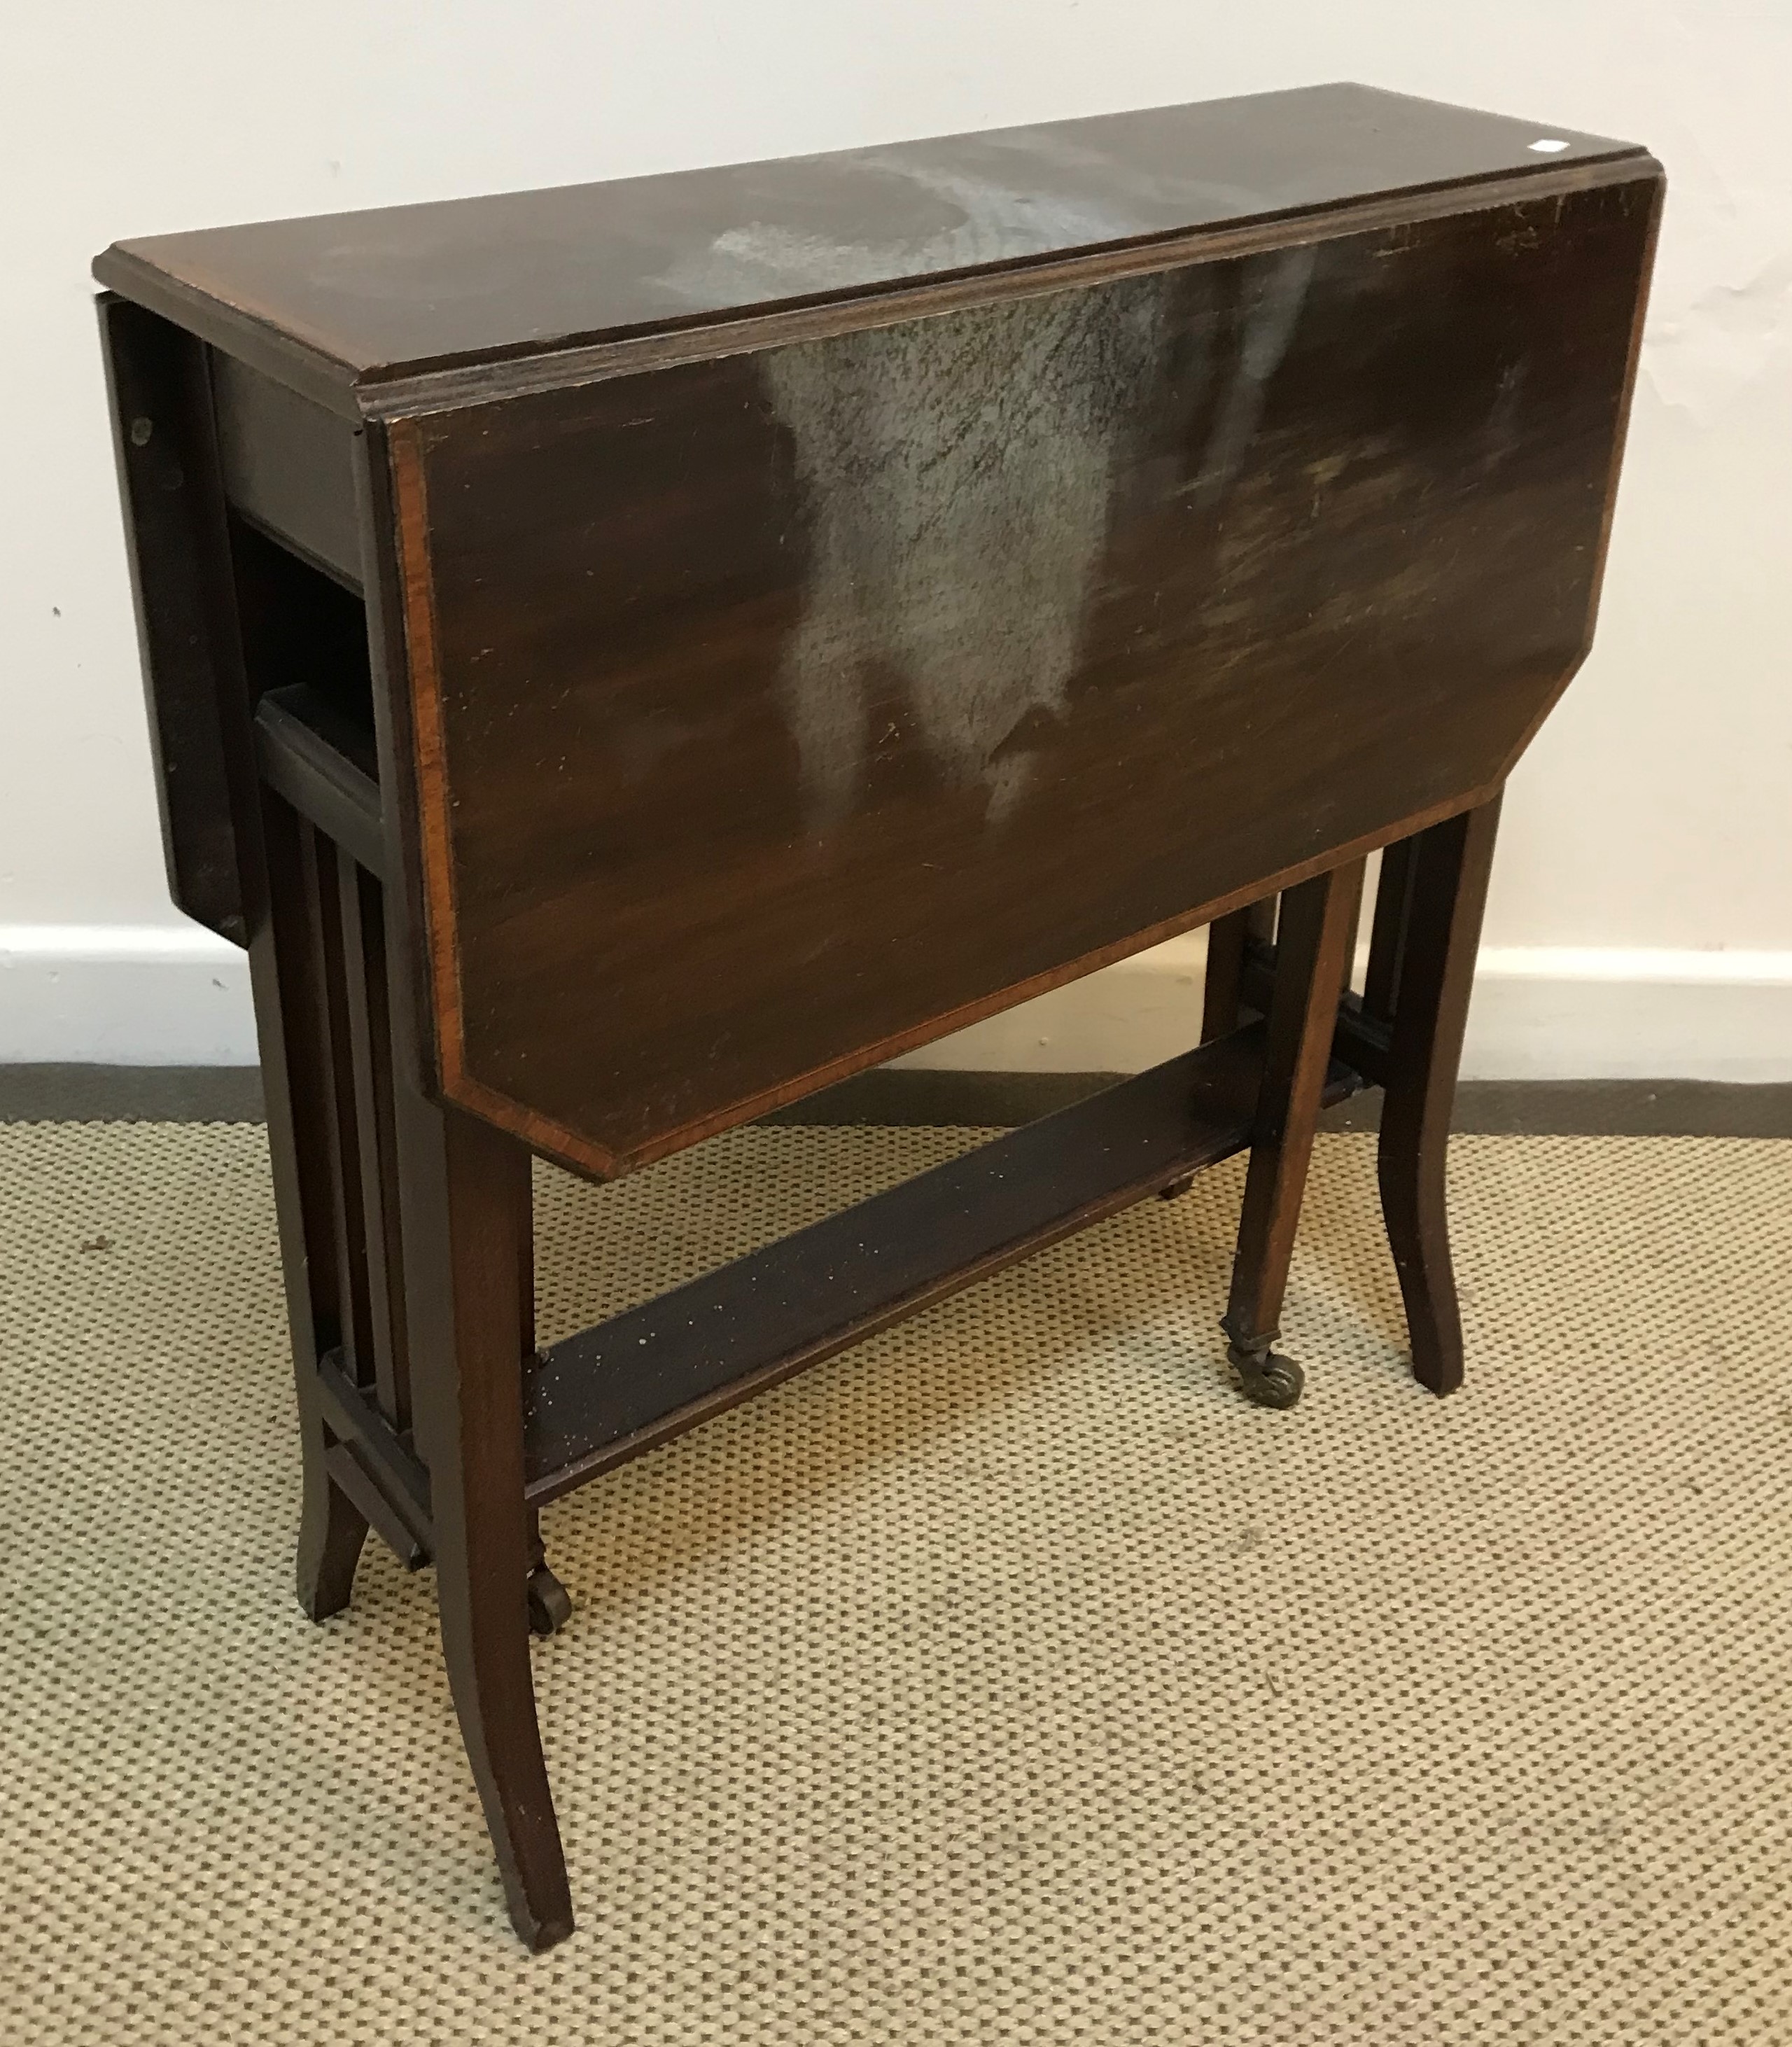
<point>1545,1012</point>
<point>173,995</point>
<point>123,995</point>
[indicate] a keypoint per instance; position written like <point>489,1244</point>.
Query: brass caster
<point>1267,1379</point>
<point>550,1605</point>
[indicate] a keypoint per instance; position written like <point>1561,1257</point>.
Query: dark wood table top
<point>399,290</point>
<point>819,603</point>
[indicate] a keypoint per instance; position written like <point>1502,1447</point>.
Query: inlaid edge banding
<point>430,745</point>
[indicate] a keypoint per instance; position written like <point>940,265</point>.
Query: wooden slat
<point>1388,932</point>
<point>352,1414</point>
<point>319,860</point>
<point>364,969</point>
<point>357,1483</point>
<point>1361,1041</point>
<point>614,1390</point>
<point>1226,938</point>
<point>318,763</point>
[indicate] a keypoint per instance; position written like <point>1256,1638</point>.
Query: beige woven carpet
<point>1007,1680</point>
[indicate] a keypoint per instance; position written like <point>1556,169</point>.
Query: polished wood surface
<point>771,678</point>
<point>624,657</point>
<point>288,466</point>
<point>164,444</point>
<point>607,1394</point>
<point>394,289</point>
<point>465,1223</point>
<point>827,696</point>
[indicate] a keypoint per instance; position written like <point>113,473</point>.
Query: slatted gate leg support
<point>284,955</point>
<point>1222,1005</point>
<point>1228,939</point>
<point>1421,978</point>
<point>1316,931</point>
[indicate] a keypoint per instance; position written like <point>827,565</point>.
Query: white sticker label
<point>1549,145</point>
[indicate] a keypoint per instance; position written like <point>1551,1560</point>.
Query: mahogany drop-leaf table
<point>622,658</point>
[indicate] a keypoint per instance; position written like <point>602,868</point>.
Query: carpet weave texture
<point>1006,1679</point>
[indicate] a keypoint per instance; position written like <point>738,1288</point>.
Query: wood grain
<point>156,380</point>
<point>605,1395</point>
<point>336,304</point>
<point>824,698</point>
<point>754,620</point>
<point>428,746</point>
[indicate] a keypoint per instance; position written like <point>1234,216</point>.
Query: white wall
<point>1642,917</point>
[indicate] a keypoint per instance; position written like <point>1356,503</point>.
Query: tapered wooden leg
<point>1316,928</point>
<point>1434,931</point>
<point>465,1209</point>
